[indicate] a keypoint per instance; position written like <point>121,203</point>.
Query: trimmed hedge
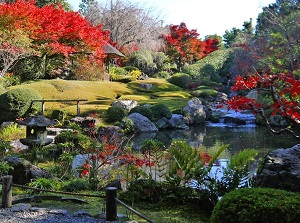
<point>180,79</point>
<point>17,103</point>
<point>143,110</point>
<point>153,112</point>
<point>257,205</point>
<point>160,111</point>
<point>115,114</point>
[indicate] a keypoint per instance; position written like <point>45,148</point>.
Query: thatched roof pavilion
<point>111,53</point>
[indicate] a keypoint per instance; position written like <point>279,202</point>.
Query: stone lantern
<point>36,131</point>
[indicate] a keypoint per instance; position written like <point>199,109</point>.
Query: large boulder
<point>125,104</point>
<point>113,134</point>
<point>78,162</point>
<point>196,113</point>
<point>24,171</point>
<point>85,122</point>
<point>281,169</point>
<point>177,122</point>
<point>142,123</point>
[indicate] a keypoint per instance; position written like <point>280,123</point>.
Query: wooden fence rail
<point>111,198</point>
<point>59,100</point>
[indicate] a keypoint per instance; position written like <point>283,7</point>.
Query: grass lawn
<point>100,94</point>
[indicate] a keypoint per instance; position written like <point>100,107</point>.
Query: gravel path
<point>43,215</point>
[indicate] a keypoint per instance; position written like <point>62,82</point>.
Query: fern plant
<point>154,151</point>
<point>189,168</point>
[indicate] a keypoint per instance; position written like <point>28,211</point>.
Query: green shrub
<point>9,80</point>
<point>130,68</point>
<point>160,59</point>
<point>136,74</point>
<point>31,68</point>
<point>160,111</point>
<point>118,71</point>
<point>210,68</point>
<point>126,124</point>
<point>140,59</point>
<point>144,190</point>
<point>69,141</point>
<point>153,112</point>
<point>115,114</point>
<point>12,132</point>
<point>76,185</point>
<point>204,91</point>
<point>143,110</point>
<point>17,103</point>
<point>257,205</point>
<point>180,79</point>
<point>42,183</point>
<point>59,115</point>
<point>162,74</point>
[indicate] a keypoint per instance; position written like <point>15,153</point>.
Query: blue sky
<point>208,17</point>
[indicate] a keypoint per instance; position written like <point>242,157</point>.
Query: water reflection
<point>210,138</point>
<point>207,137</point>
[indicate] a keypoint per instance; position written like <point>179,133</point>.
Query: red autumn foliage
<point>283,92</point>
<point>53,30</point>
<point>183,45</point>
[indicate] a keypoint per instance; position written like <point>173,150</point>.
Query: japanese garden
<point>109,115</point>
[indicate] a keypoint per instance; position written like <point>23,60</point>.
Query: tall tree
<point>184,47</point>
<point>275,55</point>
<point>51,30</point>
<point>130,25</point>
<point>231,36</point>
<point>279,23</point>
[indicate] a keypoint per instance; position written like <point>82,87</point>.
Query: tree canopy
<point>268,63</point>
<point>33,31</point>
<point>184,47</point>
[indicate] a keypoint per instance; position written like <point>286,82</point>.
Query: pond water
<point>211,136</point>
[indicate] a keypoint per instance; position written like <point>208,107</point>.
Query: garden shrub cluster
<point>210,68</point>
<point>78,184</point>
<point>115,114</point>
<point>162,74</point>
<point>148,62</point>
<point>60,115</point>
<point>257,205</point>
<point>143,110</point>
<point>153,112</point>
<point>125,74</point>
<point>204,92</point>
<point>122,78</point>
<point>182,80</point>
<point>73,142</point>
<point>150,191</point>
<point>160,111</point>
<point>17,103</point>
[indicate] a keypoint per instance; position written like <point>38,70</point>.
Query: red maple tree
<point>53,30</point>
<point>278,95</point>
<point>184,47</point>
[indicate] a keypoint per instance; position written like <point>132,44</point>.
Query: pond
<point>210,136</point>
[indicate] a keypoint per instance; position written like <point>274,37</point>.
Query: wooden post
<point>78,108</point>
<point>111,204</point>
<point>43,107</point>
<point>7,191</point>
